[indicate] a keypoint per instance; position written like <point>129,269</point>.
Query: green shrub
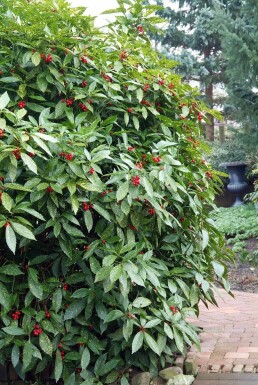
<point>238,224</point>
<point>233,150</point>
<point>108,244</point>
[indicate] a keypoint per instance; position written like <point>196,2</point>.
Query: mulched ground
<point>243,276</point>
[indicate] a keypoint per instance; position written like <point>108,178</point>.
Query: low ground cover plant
<point>238,224</point>
<point>107,242</point>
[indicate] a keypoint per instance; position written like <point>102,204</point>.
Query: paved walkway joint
<point>229,339</point>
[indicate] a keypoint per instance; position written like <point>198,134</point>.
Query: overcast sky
<point>95,7</point>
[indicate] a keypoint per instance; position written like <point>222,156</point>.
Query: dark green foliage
<point>238,224</point>
<point>107,245</point>
<point>233,150</point>
<point>239,33</point>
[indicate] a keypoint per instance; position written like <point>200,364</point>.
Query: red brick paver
<point>229,339</point>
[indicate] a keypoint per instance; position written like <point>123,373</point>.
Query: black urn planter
<point>237,183</point>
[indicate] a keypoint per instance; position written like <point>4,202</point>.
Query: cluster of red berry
<point>161,82</point>
<point>16,315</point>
<point>139,165</point>
<point>174,309</point>
<point>123,55</point>
<point>37,330</point>
<point>146,87</point>
<point>22,104</point>
<point>156,159</point>
<point>69,102</point>
<point>199,116</point>
<point>1,132</point>
<point>82,107</point>
<point>151,211</point>
<point>106,77</point>
<point>67,156</point>
<point>65,286</point>
<point>17,154</point>
<point>62,352</point>
<point>84,60</point>
<point>91,171</point>
<point>86,206</point>
<point>136,180</point>
<point>47,314</point>
<point>146,102</point>
<point>49,58</point>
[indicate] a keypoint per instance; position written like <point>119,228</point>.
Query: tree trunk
<point>209,131</point>
<point>209,128</point>
<point>222,134</point>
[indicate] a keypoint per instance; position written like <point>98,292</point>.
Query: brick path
<point>229,339</point>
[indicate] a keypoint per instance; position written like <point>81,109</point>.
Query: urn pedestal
<point>237,183</point>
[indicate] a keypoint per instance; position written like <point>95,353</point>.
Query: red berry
<point>69,102</point>
<point>182,219</point>
<point>131,148</point>
<point>49,189</point>
<point>174,309</point>
<point>136,180</point>
<point>84,84</point>
<point>31,154</point>
<point>84,60</point>
<point>151,211</point>
<point>106,77</point>
<point>123,55</point>
<point>83,107</point>
<point>86,206</point>
<point>146,87</point>
<point>91,171</point>
<point>42,55</point>
<point>86,247</point>
<point>49,58</point>
<point>48,315</point>
<point>66,286</point>
<point>1,132</point>
<point>156,159</point>
<point>103,193</point>
<point>22,104</point>
<point>69,156</point>
<point>130,110</point>
<point>139,165</point>
<point>171,86</point>
<point>161,82</point>
<point>199,117</point>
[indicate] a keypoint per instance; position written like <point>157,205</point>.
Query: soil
<point>243,276</point>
